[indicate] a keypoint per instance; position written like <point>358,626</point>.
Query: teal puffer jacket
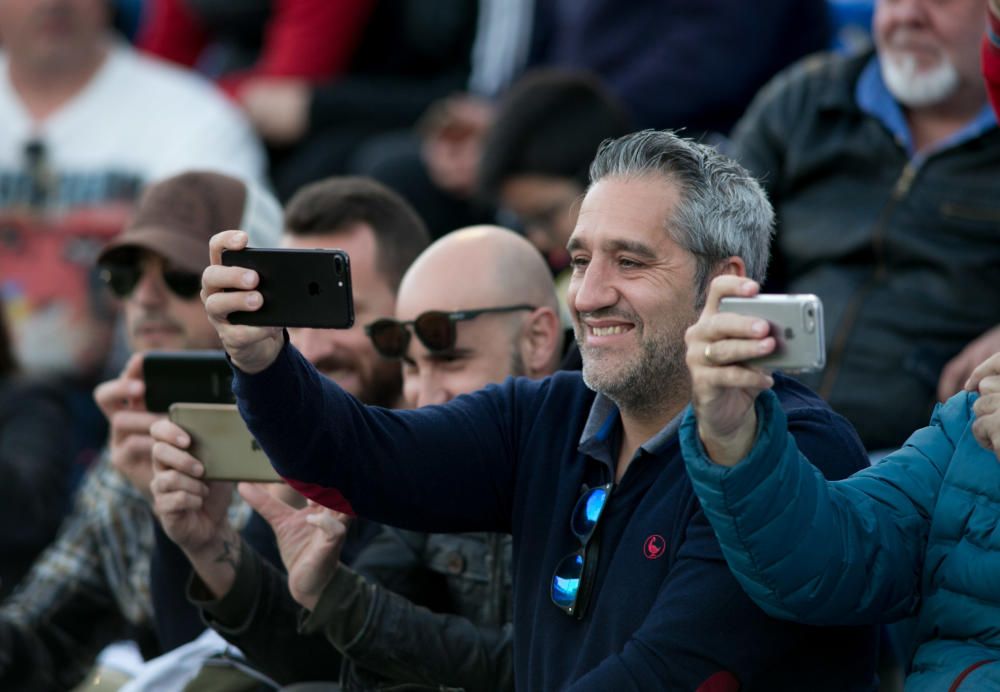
<point>919,533</point>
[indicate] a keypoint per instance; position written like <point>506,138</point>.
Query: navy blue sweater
<point>507,459</point>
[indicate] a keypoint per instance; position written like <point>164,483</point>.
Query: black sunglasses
<point>570,590</point>
<point>123,277</point>
<point>435,329</point>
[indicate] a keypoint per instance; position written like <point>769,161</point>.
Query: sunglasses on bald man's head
<point>123,276</point>
<point>435,329</point>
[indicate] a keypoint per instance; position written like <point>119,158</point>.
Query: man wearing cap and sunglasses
<point>619,582</point>
<point>91,586</point>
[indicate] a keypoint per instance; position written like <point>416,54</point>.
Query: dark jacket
<point>430,611</point>
<point>680,64</point>
<point>510,458</point>
<point>411,54</point>
<point>89,588</point>
<point>904,253</point>
<point>388,637</point>
<point>35,466</point>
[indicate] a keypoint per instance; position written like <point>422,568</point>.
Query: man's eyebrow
<point>634,247</point>
<point>631,246</point>
<point>451,353</point>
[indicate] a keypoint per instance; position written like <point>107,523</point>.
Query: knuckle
<point>979,428</point>
<point>172,503</point>
<point>161,453</point>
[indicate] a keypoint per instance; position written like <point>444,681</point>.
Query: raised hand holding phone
<point>724,382</point>
<point>193,512</point>
<point>121,401</point>
<point>226,290</point>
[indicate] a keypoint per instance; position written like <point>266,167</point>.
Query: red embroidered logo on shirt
<point>654,547</point>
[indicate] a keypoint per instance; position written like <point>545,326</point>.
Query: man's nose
<point>907,12</point>
<point>432,389</point>
<point>593,289</point>
<point>149,289</point>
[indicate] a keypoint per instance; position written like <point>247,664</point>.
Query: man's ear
<point>540,342</point>
<point>731,265</point>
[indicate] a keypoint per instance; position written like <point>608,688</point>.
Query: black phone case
<point>202,377</point>
<point>301,288</point>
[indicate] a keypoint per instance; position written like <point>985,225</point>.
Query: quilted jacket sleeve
<point>826,553</point>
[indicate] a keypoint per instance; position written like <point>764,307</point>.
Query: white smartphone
<point>796,321</point>
<point>221,442</point>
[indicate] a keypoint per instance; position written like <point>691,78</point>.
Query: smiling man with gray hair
<point>619,582</point>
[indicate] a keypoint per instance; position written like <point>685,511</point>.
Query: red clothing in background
<point>310,39</point>
<point>991,61</point>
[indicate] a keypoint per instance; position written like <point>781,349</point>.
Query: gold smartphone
<point>221,442</point>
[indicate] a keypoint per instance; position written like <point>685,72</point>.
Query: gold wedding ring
<point>708,354</point>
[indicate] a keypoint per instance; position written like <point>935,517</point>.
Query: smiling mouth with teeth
<point>608,331</point>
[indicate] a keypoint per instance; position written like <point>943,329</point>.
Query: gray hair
<point>723,210</point>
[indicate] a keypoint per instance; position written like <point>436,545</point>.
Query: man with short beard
<point>884,170</point>
<point>382,235</point>
<point>619,583</point>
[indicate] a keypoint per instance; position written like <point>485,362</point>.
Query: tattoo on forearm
<point>230,554</point>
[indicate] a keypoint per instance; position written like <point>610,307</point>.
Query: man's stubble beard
<point>383,386</point>
<point>645,385</point>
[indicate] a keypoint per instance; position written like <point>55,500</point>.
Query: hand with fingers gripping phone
<point>232,289</point>
<point>724,386</point>
<point>193,513</point>
<point>121,402</point>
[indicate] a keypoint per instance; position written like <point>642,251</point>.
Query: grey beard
<point>647,385</point>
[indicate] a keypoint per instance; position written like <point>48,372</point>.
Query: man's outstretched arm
<point>441,468</point>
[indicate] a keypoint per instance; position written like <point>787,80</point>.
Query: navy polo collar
<point>600,442</point>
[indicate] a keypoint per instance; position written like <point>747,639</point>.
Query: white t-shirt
<point>138,120</point>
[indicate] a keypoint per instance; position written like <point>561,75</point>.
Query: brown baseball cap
<point>176,217</point>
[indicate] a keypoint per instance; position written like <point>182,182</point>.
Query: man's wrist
<point>217,561</point>
<point>265,360</point>
<point>729,450</point>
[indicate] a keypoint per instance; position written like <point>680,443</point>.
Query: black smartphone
<point>186,376</point>
<point>301,288</point>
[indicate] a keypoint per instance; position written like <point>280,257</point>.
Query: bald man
<point>464,272</point>
<point>476,307</point>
